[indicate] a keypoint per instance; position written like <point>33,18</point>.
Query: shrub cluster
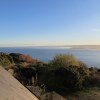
<point>65,72</point>
<point>5,60</point>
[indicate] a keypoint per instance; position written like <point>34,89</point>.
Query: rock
<point>11,89</point>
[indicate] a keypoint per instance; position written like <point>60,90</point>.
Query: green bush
<point>66,73</point>
<point>63,60</point>
<point>41,73</point>
<point>6,60</point>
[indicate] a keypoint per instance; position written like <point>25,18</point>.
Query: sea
<point>88,56</point>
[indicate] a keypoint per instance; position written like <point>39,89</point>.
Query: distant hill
<point>73,46</point>
<point>86,47</point>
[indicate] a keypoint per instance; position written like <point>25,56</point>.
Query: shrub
<point>6,60</point>
<point>66,73</point>
<point>25,75</point>
<point>62,60</point>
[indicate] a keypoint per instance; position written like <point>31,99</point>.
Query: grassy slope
<point>93,94</point>
<point>5,60</point>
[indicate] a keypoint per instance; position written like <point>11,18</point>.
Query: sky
<point>49,22</point>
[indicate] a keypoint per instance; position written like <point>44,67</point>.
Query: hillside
<point>12,59</point>
<point>64,76</point>
<point>6,59</point>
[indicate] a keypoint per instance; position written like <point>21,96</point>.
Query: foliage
<point>17,57</point>
<point>65,72</point>
<point>25,75</point>
<point>94,79</point>
<point>93,70</point>
<point>63,60</point>
<point>6,60</point>
<point>41,70</point>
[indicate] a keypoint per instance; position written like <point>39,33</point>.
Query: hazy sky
<point>49,22</point>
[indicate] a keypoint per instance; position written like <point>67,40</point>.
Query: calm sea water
<point>90,57</point>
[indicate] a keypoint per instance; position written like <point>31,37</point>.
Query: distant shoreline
<point>87,47</point>
<point>80,47</point>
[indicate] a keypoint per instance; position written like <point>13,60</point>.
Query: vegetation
<point>62,60</point>
<point>66,73</point>
<point>5,60</point>
<point>63,73</point>
<point>25,75</point>
<point>21,58</point>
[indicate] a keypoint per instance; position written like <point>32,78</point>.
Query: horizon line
<point>51,45</point>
